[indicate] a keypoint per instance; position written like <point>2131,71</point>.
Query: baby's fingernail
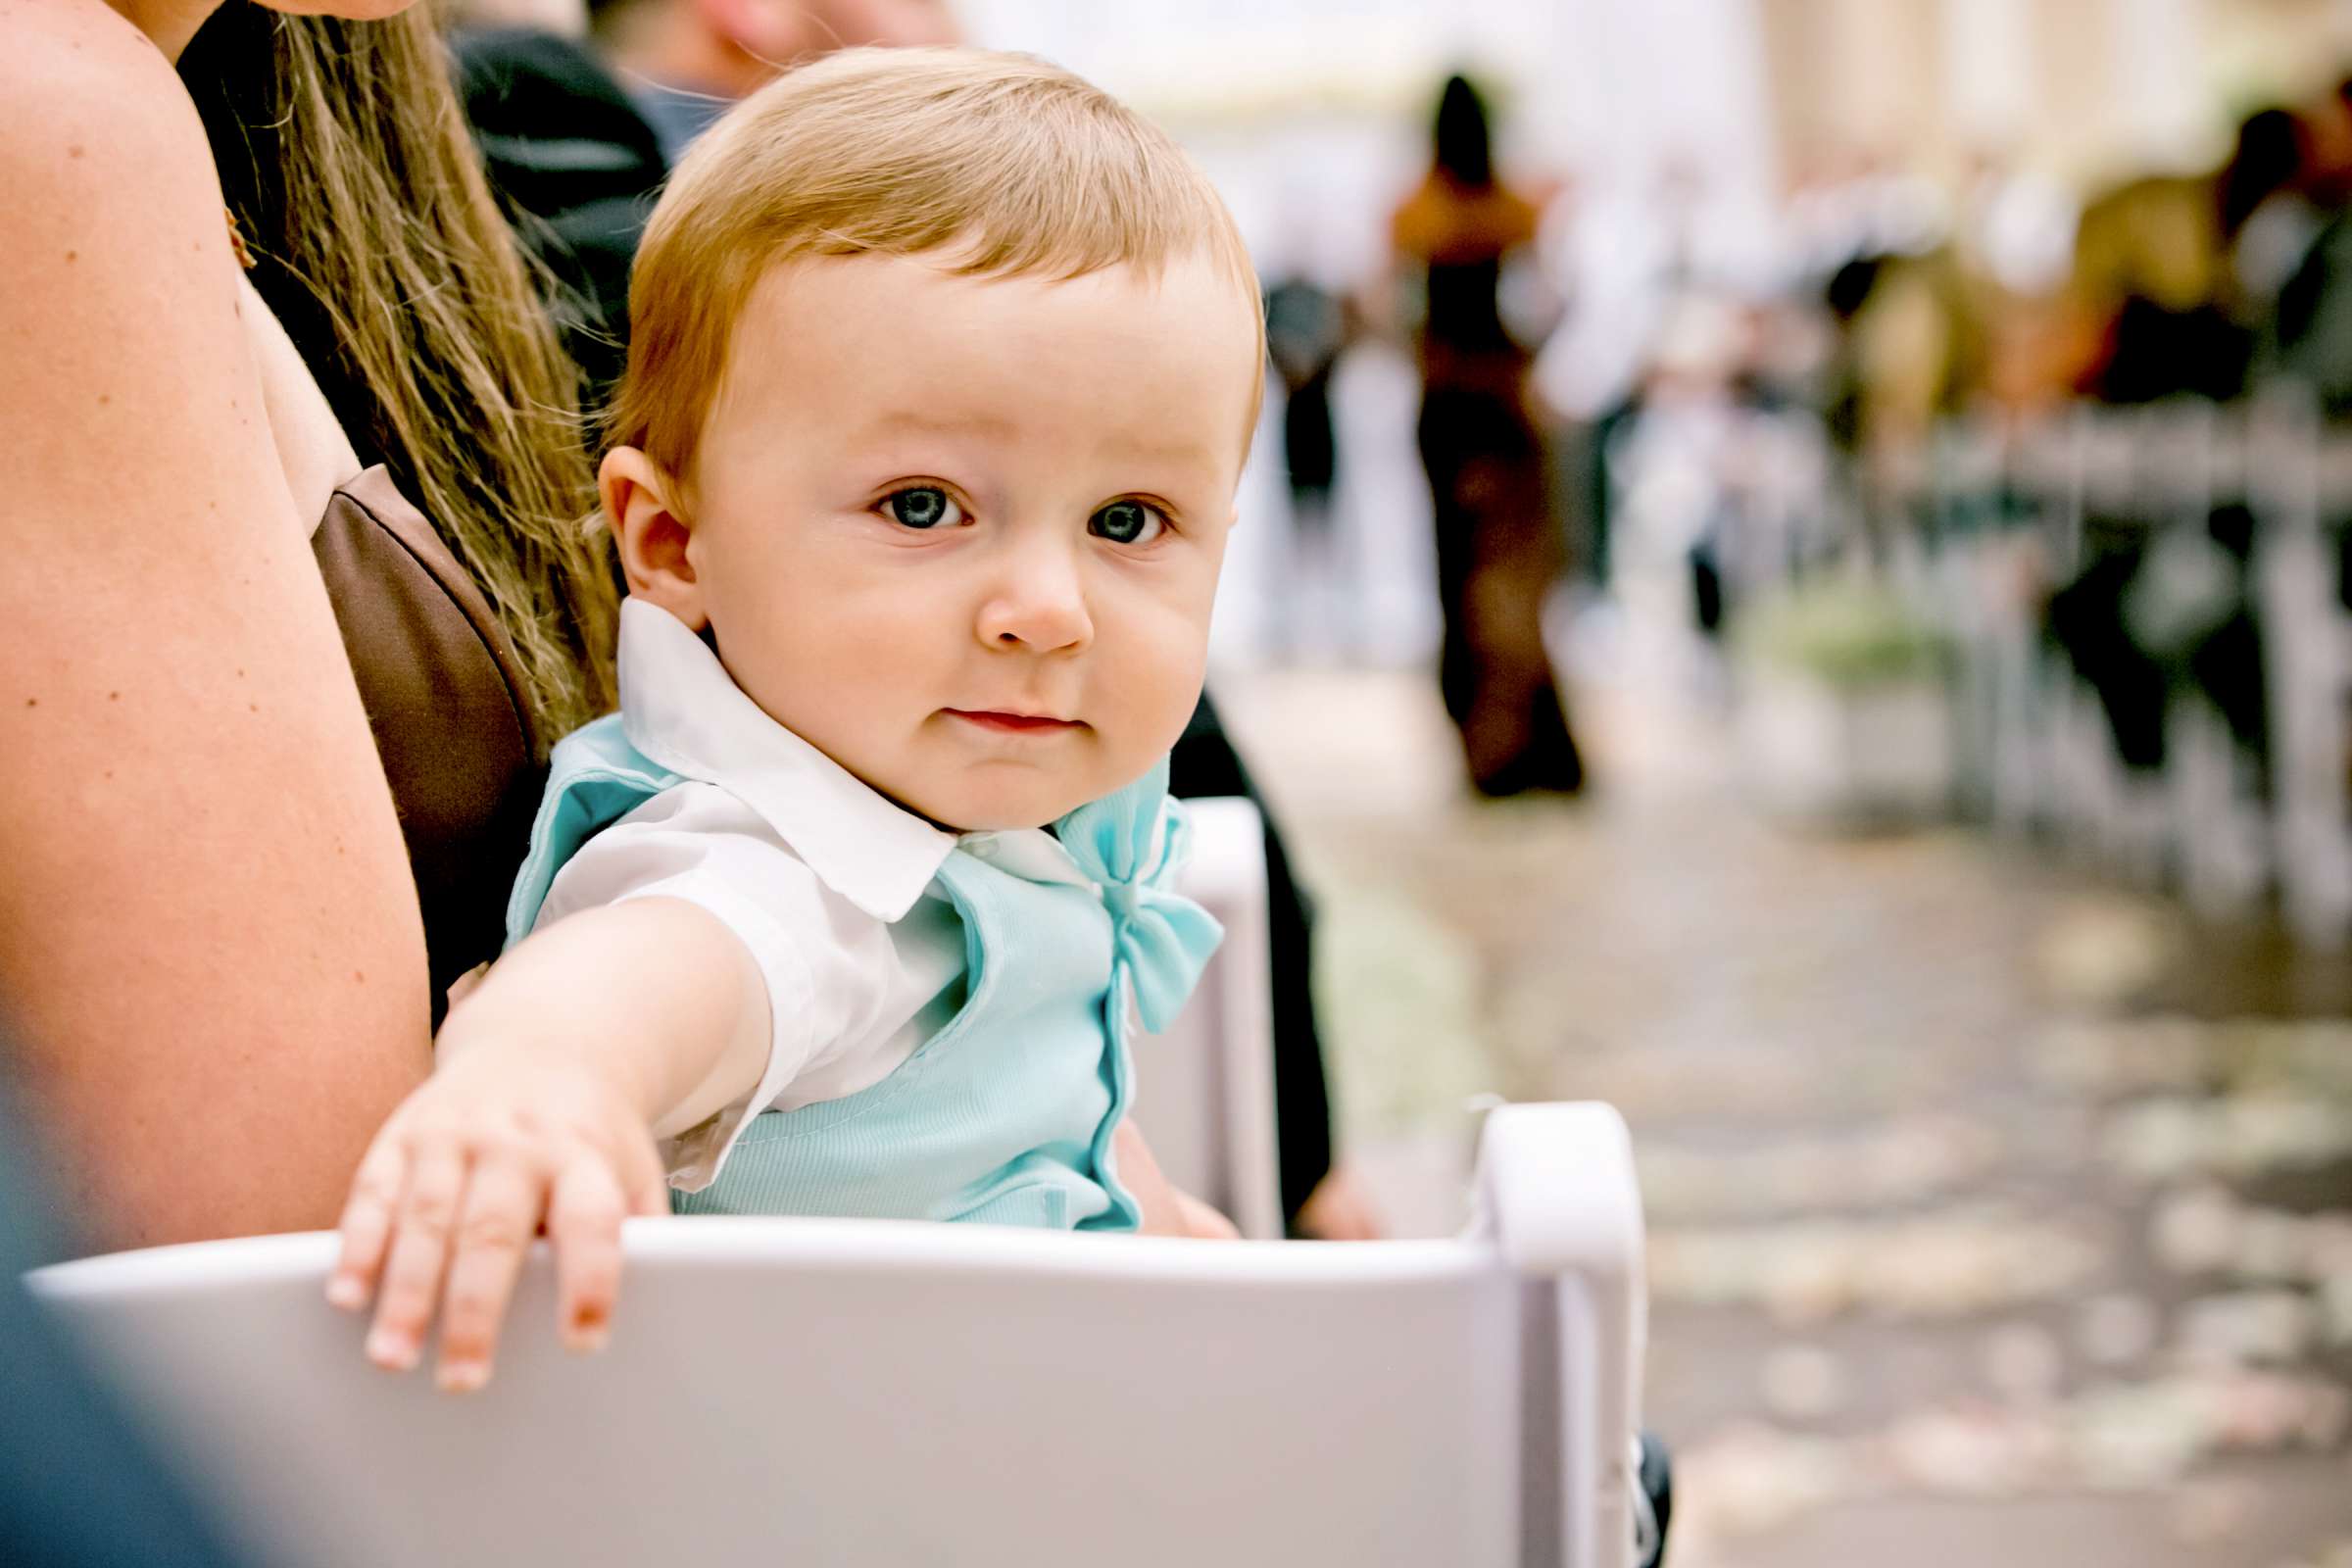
<point>464,1377</point>
<point>588,1337</point>
<point>345,1291</point>
<point>390,1351</point>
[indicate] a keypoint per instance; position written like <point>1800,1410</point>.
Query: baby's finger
<point>412,1282</point>
<point>646,1182</point>
<point>583,1220</point>
<point>366,1223</point>
<point>494,1231</point>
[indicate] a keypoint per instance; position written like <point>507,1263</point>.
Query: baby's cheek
<point>1151,684</point>
<point>1159,703</point>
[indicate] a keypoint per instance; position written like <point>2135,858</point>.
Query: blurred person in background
<point>573,159</point>
<point>1634,262</point>
<point>2015,244</point>
<point>2178,288</point>
<point>1497,544</point>
<point>1910,348</point>
<point>580,108</point>
<point>1307,327</point>
<point>686,60</point>
<point>2157,303</point>
<point>1620,255</point>
<point>295,591</point>
<point>1879,261</point>
<point>2310,341</point>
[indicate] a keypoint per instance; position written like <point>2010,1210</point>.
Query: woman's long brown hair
<point>344,153</point>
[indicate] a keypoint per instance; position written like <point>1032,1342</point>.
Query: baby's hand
<point>458,1181</point>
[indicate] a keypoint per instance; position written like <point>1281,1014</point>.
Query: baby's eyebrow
<point>888,425</point>
<point>1177,451</point>
<point>917,421</point>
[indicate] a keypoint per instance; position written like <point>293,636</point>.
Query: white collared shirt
<point>824,881</point>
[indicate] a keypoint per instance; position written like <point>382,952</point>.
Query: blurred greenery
<point>1845,632</point>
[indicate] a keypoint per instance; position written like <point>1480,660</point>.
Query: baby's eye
<point>923,506</point>
<point>1128,522</point>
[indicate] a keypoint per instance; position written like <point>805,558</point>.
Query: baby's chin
<point>1008,795</point>
<point>1004,818</point>
<point>988,810</point>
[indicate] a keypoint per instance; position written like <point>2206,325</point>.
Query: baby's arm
<point>604,1030</point>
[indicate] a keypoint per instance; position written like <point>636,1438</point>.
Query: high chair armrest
<point>1557,1196</point>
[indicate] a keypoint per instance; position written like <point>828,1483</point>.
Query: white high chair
<point>893,1394</point>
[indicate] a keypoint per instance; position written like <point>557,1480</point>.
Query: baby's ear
<point>652,534</point>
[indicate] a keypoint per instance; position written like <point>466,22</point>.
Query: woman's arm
<point>1167,1210</point>
<point>209,937</point>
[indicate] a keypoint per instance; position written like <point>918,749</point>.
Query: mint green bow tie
<point>1161,940</point>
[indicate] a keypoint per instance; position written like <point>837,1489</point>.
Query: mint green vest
<point>1005,1115</point>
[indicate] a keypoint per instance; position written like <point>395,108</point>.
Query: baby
<point>943,369</point>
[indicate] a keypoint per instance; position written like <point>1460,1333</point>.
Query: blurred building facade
<point>2082,91</point>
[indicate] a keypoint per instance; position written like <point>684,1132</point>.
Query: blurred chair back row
<point>2148,612</point>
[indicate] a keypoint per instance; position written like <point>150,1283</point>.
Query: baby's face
<point>962,535</point>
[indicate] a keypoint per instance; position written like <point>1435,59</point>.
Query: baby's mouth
<point>1008,723</point>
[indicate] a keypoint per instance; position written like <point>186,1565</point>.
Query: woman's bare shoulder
<point>103,158</point>
<point>122,308</point>
<point>74,68</point>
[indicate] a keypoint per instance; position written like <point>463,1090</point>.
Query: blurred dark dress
<point>1306,329</point>
<point>1497,548</point>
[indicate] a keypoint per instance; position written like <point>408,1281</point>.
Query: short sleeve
<point>698,843</point>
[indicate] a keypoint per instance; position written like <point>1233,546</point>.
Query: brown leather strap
<point>445,697</point>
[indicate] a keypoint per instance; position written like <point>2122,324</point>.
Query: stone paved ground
<point>1991,1223</point>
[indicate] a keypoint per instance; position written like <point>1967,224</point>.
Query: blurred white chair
<point>1205,1090</point>
<point>2302,478</point>
<point>836,1392</point>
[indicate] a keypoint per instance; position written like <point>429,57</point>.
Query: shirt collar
<point>680,708</point>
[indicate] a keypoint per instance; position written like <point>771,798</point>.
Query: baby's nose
<point>1042,609</point>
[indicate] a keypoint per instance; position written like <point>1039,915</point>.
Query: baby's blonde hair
<point>1012,164</point>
